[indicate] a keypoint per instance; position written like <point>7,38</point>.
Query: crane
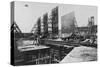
<point>16,30</point>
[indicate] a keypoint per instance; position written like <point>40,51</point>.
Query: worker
<point>38,41</point>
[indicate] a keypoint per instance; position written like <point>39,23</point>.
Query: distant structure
<point>55,30</point>
<point>39,26</point>
<point>47,26</point>
<point>92,26</point>
<point>68,24</point>
<point>91,21</point>
<point>90,29</point>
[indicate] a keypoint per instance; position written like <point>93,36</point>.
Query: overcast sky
<point>26,17</point>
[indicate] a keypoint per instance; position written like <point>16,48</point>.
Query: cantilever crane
<point>16,30</point>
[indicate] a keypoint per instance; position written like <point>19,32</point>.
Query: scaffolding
<point>54,14</point>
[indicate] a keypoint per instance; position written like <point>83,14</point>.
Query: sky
<point>26,16</point>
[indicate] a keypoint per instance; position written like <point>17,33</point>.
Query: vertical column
<point>45,25</point>
<point>39,26</point>
<point>55,21</point>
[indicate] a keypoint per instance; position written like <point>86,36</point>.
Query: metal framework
<point>16,30</point>
<point>55,21</point>
<point>48,25</point>
<point>45,25</point>
<point>39,26</point>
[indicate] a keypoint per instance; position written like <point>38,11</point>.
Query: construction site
<point>46,44</point>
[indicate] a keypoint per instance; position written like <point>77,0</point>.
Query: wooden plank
<point>31,47</point>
